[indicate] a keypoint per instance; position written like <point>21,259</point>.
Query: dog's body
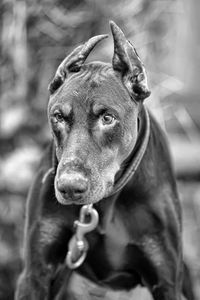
<point>99,129</point>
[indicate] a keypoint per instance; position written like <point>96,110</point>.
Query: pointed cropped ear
<point>74,61</point>
<point>128,64</point>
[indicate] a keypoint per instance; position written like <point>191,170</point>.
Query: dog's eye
<point>108,119</point>
<point>58,117</point>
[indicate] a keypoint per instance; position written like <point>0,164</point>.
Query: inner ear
<point>128,64</point>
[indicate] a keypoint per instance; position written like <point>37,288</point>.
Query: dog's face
<point>94,121</point>
<point>94,125</point>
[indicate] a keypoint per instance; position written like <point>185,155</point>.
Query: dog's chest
<point>109,243</point>
<point>116,243</point>
<point>109,259</point>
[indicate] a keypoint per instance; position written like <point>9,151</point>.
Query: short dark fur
<point>138,239</point>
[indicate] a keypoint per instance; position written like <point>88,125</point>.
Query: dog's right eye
<point>58,117</point>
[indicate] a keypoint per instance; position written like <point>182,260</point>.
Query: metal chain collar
<point>78,245</point>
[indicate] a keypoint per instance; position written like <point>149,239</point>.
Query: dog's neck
<point>132,162</point>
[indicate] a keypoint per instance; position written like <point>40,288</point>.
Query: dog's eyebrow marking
<point>98,108</point>
<point>101,108</point>
<point>65,109</point>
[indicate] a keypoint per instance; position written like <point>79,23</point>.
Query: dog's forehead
<point>95,84</point>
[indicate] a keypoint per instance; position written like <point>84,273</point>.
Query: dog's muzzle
<point>72,182</point>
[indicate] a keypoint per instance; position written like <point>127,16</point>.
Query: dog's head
<point>93,113</point>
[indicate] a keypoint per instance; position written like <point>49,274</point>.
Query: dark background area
<point>35,37</point>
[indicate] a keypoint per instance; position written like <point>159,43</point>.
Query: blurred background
<point>34,37</point>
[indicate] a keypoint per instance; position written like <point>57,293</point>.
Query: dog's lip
<point>76,199</point>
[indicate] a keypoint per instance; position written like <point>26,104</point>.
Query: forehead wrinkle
<point>109,97</point>
<point>95,84</point>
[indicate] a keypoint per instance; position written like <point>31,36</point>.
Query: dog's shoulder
<point>45,169</point>
<point>156,168</point>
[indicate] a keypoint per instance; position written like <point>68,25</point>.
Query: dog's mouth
<point>71,197</point>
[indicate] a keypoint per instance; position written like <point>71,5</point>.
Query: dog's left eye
<point>108,119</point>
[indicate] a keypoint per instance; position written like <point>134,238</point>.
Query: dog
<point>107,151</point>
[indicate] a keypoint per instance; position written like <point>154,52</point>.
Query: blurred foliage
<point>35,37</point>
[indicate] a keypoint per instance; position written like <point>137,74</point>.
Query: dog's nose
<point>72,184</point>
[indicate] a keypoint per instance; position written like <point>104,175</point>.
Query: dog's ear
<point>128,64</point>
<point>74,61</point>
